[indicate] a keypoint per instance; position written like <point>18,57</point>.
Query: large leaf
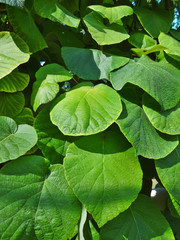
<point>104,173</point>
<point>147,142</point>
<point>13,52</point>
<point>155,21</point>
<point>172,45</point>
<point>11,104</point>
<point>24,25</point>
<point>142,221</point>
<point>15,140</point>
<point>51,141</point>
<point>34,198</point>
<point>104,34</point>
<point>93,109</point>
<point>46,85</point>
<point>92,64</point>
<point>164,121</point>
<point>14,3</point>
<point>112,13</point>
<point>14,82</point>
<point>168,170</point>
<point>54,11</point>
<point>160,80</point>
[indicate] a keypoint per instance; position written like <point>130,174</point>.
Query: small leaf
<point>168,170</point>
<point>15,140</point>
<point>51,141</point>
<point>25,117</point>
<point>13,52</point>
<point>154,21</point>
<point>88,59</point>
<point>104,34</point>
<point>165,121</point>
<point>141,40</point>
<point>104,173</point>
<point>140,51</point>
<point>112,13</point>
<point>14,82</point>
<point>46,85</point>
<point>172,45</point>
<point>11,104</point>
<point>160,80</point>
<point>142,221</point>
<point>54,11</point>
<point>14,3</point>
<point>24,25</point>
<point>36,199</point>
<point>147,142</point>
<point>93,109</point>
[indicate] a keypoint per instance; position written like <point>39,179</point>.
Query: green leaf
<point>160,80</point>
<point>24,25</point>
<point>168,170</point>
<point>147,142</point>
<point>93,109</point>
<point>173,206</point>
<point>102,170</point>
<point>141,40</point>
<point>46,85</point>
<point>104,34</point>
<point>51,141</point>
<point>154,21</point>
<point>14,3</point>
<point>15,140</point>
<point>165,121</point>
<point>25,117</point>
<point>54,11</point>
<point>112,13</point>
<point>142,221</point>
<point>172,45</point>
<point>92,64</point>
<point>13,52</point>
<point>11,104</point>
<point>141,51</point>
<point>34,198</point>
<point>14,82</point>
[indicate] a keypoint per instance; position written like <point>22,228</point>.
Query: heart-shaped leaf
<point>104,173</point>
<point>15,140</point>
<point>93,109</point>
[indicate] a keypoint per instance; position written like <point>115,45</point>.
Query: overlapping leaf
<point>104,173</point>
<point>92,64</point>
<point>25,117</point>
<point>142,220</point>
<point>160,80</point>
<point>36,199</point>
<point>147,142</point>
<point>86,110</point>
<point>13,52</point>
<point>15,140</point>
<point>14,3</point>
<point>46,85</point>
<point>104,34</point>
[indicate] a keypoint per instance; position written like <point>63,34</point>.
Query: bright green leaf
<point>168,170</point>
<point>86,110</point>
<point>165,121</point>
<point>14,82</point>
<point>13,52</point>
<point>51,141</point>
<point>24,25</point>
<point>92,64</point>
<point>25,117</point>
<point>142,221</point>
<point>104,173</point>
<point>46,85</point>
<point>15,140</point>
<point>34,198</point>
<point>54,11</point>
<point>147,142</point>
<point>160,80</point>
<point>104,34</point>
<point>154,21</point>
<point>172,45</point>
<point>140,51</point>
<point>112,13</point>
<point>141,40</point>
<point>11,104</point>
